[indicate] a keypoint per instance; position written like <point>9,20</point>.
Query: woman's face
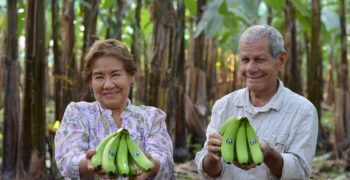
<point>110,82</point>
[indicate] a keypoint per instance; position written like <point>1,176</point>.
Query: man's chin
<point>253,87</point>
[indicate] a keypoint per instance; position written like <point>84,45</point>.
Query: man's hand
<point>245,166</point>
<point>272,159</point>
<point>212,161</point>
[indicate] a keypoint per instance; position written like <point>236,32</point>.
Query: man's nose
<point>251,66</point>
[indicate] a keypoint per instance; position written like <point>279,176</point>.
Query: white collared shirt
<point>288,122</point>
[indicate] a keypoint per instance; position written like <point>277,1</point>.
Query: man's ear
<point>283,58</point>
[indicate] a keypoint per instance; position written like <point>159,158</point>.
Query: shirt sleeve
<point>159,145</point>
<point>212,127</point>
<point>71,142</point>
<point>297,161</point>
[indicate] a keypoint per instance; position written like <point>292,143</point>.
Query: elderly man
<point>286,123</point>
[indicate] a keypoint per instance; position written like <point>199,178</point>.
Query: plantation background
<point>186,52</point>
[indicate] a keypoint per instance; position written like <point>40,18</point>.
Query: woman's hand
<point>153,172</point>
<point>88,171</point>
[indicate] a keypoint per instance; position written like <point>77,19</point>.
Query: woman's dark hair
<point>109,47</point>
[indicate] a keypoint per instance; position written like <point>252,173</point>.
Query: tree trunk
<point>344,78</point>
<point>199,41</point>
<point>196,80</point>
<point>270,15</point>
<point>89,22</point>
<point>330,79</point>
<point>68,57</point>
<point>32,143</point>
<point>342,104</point>
<point>176,98</point>
<point>211,70</point>
<point>314,77</point>
<point>119,16</point>
<point>140,79</point>
<point>11,101</point>
<point>58,72</point>
<point>292,73</point>
<point>314,66</point>
<point>163,31</point>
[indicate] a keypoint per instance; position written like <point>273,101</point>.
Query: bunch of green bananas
<point>239,142</point>
<point>118,154</point>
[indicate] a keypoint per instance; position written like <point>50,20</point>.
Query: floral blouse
<point>85,124</point>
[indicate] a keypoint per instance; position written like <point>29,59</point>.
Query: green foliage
<point>302,6</point>
<point>21,18</point>
<point>211,19</point>
<point>327,120</point>
<point>276,4</point>
<point>330,19</point>
<point>191,5</point>
<point>146,24</point>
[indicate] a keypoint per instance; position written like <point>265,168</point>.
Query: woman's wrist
<point>156,167</point>
<point>84,170</point>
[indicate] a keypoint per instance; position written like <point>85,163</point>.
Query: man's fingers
<point>214,149</point>
<point>215,136</point>
<point>244,166</point>
<point>214,140</point>
<point>214,156</point>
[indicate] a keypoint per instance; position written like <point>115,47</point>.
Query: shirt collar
<point>107,112</point>
<point>274,103</point>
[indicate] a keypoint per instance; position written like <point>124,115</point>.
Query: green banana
<point>241,144</point>
<point>226,123</point>
<point>137,155</point>
<point>96,159</point>
<point>254,145</point>
<point>122,157</point>
<point>132,168</point>
<point>109,155</point>
<point>228,140</point>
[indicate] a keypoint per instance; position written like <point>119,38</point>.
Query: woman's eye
<point>115,75</point>
<point>98,77</point>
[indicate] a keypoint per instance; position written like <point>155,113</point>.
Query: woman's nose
<point>108,83</point>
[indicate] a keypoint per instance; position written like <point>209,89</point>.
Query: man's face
<point>258,68</point>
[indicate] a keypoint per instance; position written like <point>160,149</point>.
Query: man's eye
<point>245,60</point>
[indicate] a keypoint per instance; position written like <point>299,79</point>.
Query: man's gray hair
<point>258,32</point>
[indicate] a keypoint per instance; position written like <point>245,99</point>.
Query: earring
<point>132,85</point>
<point>91,91</point>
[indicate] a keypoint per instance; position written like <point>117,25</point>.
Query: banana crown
<point>118,154</point>
<point>239,142</point>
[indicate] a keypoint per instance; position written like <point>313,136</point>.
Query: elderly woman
<point>110,71</point>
